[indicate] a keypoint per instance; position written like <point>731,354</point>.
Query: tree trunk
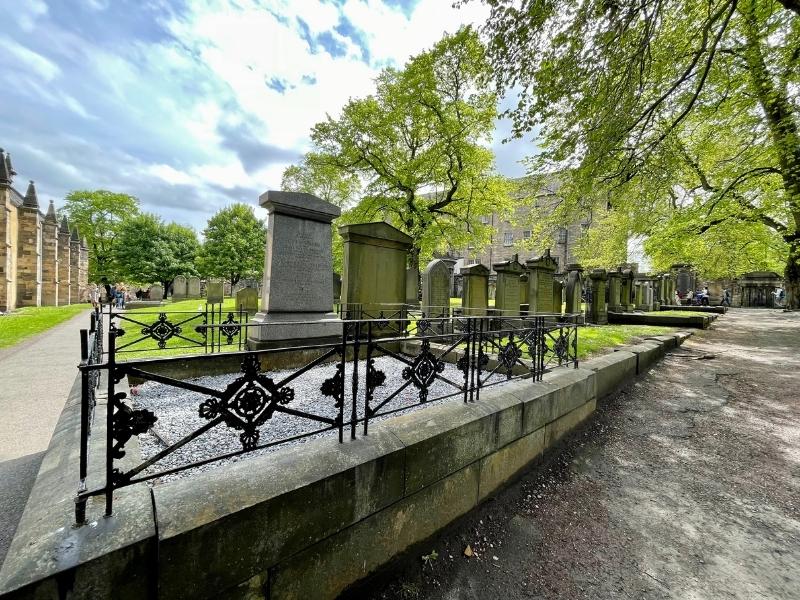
<point>792,274</point>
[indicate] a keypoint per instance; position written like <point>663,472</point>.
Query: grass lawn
<point>593,340</point>
<point>676,313</point>
<point>28,321</point>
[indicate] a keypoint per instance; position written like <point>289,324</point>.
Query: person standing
<point>726,298</point>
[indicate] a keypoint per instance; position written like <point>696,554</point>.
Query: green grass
<point>675,313</point>
<point>594,340</point>
<point>25,322</point>
<point>176,312</point>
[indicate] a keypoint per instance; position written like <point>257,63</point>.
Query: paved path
<point>35,379</point>
<point>685,485</point>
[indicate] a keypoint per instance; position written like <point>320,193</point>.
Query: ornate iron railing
<point>211,329</point>
<point>364,375</point>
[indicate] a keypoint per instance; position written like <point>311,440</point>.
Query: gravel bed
<point>178,412</point>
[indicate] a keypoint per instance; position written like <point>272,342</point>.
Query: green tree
<point>684,115</point>
<point>416,144</point>
<point>149,250</point>
<point>316,174</point>
<point>234,244</point>
<point>98,215</point>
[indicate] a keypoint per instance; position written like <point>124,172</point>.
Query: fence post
<point>354,399</point>
<point>80,503</point>
<point>110,425</point>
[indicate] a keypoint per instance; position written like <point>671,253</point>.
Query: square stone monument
<point>179,288</point>
<point>374,273</point>
<point>247,300</point>
<point>156,292</point>
<point>540,284</point>
<point>297,273</point>
<point>508,293</point>
<point>436,289</point>
<point>475,294</point>
<point>574,289</point>
<point>598,313</point>
<point>214,290</point>
<point>193,288</point>
<point>614,291</point>
<point>626,290</point>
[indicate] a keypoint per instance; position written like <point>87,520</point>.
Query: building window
<point>561,235</point>
<point>485,220</point>
<point>526,235</point>
<point>508,238</point>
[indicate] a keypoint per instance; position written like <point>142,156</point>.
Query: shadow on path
<point>17,477</point>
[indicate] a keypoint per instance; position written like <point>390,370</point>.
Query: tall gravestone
<point>412,287</point>
<point>574,289</point>
<point>214,291</point>
<point>193,287</point>
<point>638,294</point>
<point>598,313</point>
<point>626,290</point>
<point>436,289</point>
<point>297,272</point>
<point>156,292</point>
<point>374,273</point>
<point>615,291</point>
<point>507,296</point>
<point>540,284</point>
<point>247,299</point>
<point>475,294</point>
<point>179,288</point>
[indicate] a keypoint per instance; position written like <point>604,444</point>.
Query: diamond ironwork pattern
<point>509,355</point>
<point>230,328</point>
<point>162,330</point>
<point>423,370</point>
<point>248,402</point>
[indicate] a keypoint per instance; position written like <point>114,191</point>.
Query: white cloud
<point>17,57</point>
<point>28,13</point>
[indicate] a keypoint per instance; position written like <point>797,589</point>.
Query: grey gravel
<point>178,413</point>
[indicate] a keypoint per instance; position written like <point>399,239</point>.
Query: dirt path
<point>686,484</point>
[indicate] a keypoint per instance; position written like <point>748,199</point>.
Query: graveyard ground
<point>685,484</point>
<point>25,322</point>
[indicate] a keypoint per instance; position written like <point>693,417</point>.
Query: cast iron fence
<point>91,357</point>
<point>211,329</point>
<point>482,351</point>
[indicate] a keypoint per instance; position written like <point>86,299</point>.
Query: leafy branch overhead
<point>684,116</point>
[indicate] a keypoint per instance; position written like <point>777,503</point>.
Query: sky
<point>193,105</point>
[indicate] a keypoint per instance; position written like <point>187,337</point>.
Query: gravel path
<point>177,412</point>
<point>685,485</point>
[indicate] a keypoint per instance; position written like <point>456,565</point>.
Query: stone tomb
<point>507,294</point>
<point>540,284</point>
<point>614,291</point>
<point>475,295</point>
<point>626,289</point>
<point>156,292</point>
<point>297,272</point>
<point>374,273</point>
<point>574,289</point>
<point>180,288</point>
<point>247,300</point>
<point>597,312</point>
<point>214,291</point>
<point>436,289</point>
<point>193,288</point>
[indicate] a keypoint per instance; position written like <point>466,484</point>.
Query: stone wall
<point>305,521</point>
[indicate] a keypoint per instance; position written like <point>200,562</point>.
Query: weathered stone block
<point>646,353</point>
<point>611,371</point>
<point>560,427</point>
<point>508,407</point>
<point>219,529</point>
<point>500,466</point>
<point>668,341</point>
<point>326,569</point>
<point>443,439</point>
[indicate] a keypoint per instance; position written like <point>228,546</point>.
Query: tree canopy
<point>684,116</point>
<point>98,215</point>
<point>417,145</point>
<point>148,250</point>
<point>234,245</point>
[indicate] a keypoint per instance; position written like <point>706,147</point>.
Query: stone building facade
<point>510,235</point>
<point>41,263</point>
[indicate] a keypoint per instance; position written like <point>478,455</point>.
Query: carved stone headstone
<point>597,312</point>
<point>374,273</point>
<point>436,289</point>
<point>475,295</point>
<point>540,284</point>
<point>574,289</point>
<point>214,290</point>
<point>193,287</point>
<point>297,272</point>
<point>179,288</point>
<point>247,299</point>
<point>508,293</point>
<point>626,290</point>
<point>156,292</point>
<point>614,291</point>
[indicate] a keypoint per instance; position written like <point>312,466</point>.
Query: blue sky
<point>192,105</point>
